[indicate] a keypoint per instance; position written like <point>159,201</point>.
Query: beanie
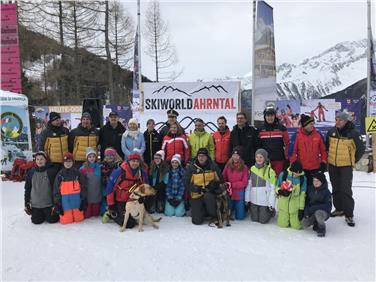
<point>90,151</point>
<point>54,116</point>
<point>238,150</point>
<point>263,153</point>
<point>320,176</point>
<point>133,120</point>
<point>203,151</point>
<point>134,156</point>
<point>296,167</point>
<point>41,153</point>
<point>160,153</point>
<point>269,111</point>
<point>110,152</point>
<point>86,115</point>
<point>177,158</point>
<point>342,115</point>
<point>305,120</point>
<point>68,156</point>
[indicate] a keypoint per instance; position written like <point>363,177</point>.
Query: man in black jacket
<point>245,136</point>
<point>110,135</point>
<point>153,141</point>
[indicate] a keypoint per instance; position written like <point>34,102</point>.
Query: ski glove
<point>323,167</point>
<point>196,189</point>
<point>212,186</point>
<point>301,214</point>
<point>284,193</point>
<point>83,205</point>
<point>28,208</point>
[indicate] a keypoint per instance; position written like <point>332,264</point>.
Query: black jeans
<point>341,179</point>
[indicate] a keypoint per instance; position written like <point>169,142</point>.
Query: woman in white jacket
<point>261,186</point>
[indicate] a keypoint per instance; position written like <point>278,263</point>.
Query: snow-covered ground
<point>179,250</point>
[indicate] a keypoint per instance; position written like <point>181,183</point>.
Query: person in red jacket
<point>221,142</point>
<point>274,138</point>
<point>175,142</point>
<point>309,148</point>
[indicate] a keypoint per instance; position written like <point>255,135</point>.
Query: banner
<point>124,112</point>
<point>15,129</point>
<point>205,100</point>
<point>264,69</point>
<point>10,54</point>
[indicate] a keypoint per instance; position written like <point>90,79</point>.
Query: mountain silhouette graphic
<point>165,88</point>
<point>218,88</point>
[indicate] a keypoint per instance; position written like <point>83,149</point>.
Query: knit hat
<point>86,115</point>
<point>270,111</point>
<point>110,152</point>
<point>90,151</point>
<point>160,153</point>
<point>263,153</point>
<point>203,151</point>
<point>320,176</point>
<point>54,116</point>
<point>305,120</point>
<point>238,150</point>
<point>134,156</point>
<point>343,115</point>
<point>296,167</point>
<point>172,112</point>
<point>68,157</point>
<point>133,120</point>
<point>41,153</point>
<point>177,158</point>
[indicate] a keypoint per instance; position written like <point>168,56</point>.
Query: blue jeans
<point>178,211</point>
<point>237,208</point>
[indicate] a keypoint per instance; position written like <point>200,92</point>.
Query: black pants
<point>202,207</point>
<point>119,219</point>
<point>39,216</point>
<point>341,179</point>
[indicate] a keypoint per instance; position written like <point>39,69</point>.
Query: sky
<point>214,38</point>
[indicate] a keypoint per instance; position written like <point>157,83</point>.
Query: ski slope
<point>179,250</point>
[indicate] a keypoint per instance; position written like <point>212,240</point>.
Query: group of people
<point>88,172</point>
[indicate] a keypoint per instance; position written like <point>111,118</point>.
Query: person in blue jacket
<point>318,205</point>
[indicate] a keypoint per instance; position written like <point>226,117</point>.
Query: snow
<point>179,250</point>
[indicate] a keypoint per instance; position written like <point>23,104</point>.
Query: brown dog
<point>222,198</point>
<point>136,207</point>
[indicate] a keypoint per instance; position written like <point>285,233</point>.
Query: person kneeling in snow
<point>203,177</point>
<point>175,188</point>
<point>292,186</point>
<point>129,173</point>
<point>318,204</point>
<point>38,191</point>
<point>70,192</point>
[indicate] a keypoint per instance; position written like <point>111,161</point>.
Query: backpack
<point>20,169</point>
<point>284,177</point>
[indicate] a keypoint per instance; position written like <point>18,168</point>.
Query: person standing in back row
<point>153,141</point>
<point>345,149</point>
<point>245,136</point>
<point>221,142</point>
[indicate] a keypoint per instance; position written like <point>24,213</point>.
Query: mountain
<point>330,71</point>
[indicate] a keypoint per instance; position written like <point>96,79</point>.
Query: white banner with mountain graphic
<point>205,100</point>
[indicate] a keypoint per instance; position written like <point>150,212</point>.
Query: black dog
<point>222,198</point>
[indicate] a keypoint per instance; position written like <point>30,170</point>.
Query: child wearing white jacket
<point>260,192</point>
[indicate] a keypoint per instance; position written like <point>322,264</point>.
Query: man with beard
<point>110,135</point>
<point>221,141</point>
<point>54,141</point>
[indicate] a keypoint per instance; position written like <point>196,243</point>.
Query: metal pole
<point>369,38</point>
<point>253,61</point>
<point>139,55</point>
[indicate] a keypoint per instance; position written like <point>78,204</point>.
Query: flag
<point>372,74</point>
<point>136,73</point>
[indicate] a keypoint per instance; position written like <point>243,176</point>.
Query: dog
<point>135,207</point>
<point>222,197</point>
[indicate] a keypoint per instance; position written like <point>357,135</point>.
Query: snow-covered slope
<point>333,70</point>
<point>179,250</point>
